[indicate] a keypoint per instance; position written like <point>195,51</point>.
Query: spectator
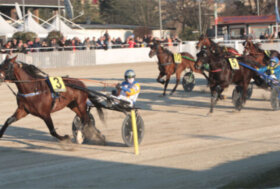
<point>131,43</point>
<point>14,44</point>
<point>93,43</point>
<point>86,43</point>
<point>37,44</point>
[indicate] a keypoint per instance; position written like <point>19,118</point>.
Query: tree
<point>186,13</point>
<point>132,12</point>
<point>89,12</point>
<point>248,7</point>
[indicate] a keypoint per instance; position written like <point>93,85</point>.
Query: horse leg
<point>159,80</point>
<point>166,83</point>
<point>215,92</point>
<point>48,120</point>
<point>90,131</point>
<point>16,116</point>
<point>178,74</point>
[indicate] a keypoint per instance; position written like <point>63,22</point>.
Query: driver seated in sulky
<point>273,69</point>
<point>129,89</point>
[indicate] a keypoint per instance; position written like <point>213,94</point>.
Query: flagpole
<point>276,9</point>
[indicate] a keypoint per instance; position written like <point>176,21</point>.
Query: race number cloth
<point>57,84</point>
<point>177,58</point>
<point>234,63</point>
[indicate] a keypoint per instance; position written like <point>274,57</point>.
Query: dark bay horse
<point>205,42</point>
<point>35,97</point>
<point>167,65</point>
<point>261,56</point>
<point>221,75</point>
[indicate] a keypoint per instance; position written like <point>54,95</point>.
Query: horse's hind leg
<point>49,123</point>
<point>166,84</point>
<point>16,116</point>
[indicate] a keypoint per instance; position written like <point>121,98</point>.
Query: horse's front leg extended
<point>16,116</point>
<point>215,92</point>
<point>48,120</point>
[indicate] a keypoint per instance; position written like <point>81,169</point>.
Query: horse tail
<point>93,96</point>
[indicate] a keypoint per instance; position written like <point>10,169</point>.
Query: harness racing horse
<point>261,56</point>
<point>221,75</point>
<point>205,42</point>
<point>35,96</point>
<point>167,65</point>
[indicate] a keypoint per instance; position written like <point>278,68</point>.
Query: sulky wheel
<point>127,133</point>
<point>237,98</point>
<point>188,82</point>
<point>77,128</point>
<point>250,90</point>
<point>274,98</point>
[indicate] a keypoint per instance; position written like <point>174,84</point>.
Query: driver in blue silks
<point>273,69</point>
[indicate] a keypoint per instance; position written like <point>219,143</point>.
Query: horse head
<point>7,69</point>
<point>154,48</point>
<point>203,41</point>
<point>202,59</point>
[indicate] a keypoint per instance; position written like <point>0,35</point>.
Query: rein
<point>188,58</point>
<point>217,70</point>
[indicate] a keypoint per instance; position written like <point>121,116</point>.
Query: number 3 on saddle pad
<point>177,58</point>
<point>57,84</point>
<point>234,63</point>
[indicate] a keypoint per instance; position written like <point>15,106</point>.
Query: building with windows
<point>239,27</point>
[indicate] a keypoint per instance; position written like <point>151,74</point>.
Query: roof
<point>32,3</point>
<point>246,19</point>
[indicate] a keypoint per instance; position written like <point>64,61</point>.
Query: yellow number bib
<point>57,84</point>
<point>177,58</point>
<point>234,63</point>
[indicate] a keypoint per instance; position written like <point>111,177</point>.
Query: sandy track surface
<point>182,146</point>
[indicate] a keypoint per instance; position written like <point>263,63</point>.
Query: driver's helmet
<point>129,74</point>
<point>274,61</point>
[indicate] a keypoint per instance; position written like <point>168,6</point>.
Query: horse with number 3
<point>36,97</point>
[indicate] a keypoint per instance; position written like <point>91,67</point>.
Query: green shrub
<point>24,36</point>
<point>54,35</point>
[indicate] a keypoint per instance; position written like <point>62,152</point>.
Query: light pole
<point>160,19</point>
<point>199,15</point>
<point>258,7</point>
<point>59,24</point>
<point>216,20</point>
<point>23,10</point>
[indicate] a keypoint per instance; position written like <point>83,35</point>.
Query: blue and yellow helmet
<point>274,59</point>
<point>129,74</point>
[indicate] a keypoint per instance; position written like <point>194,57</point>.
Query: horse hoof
<point>79,138</point>
<point>223,97</point>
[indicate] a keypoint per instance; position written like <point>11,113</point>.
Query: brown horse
<point>205,42</point>
<point>261,56</point>
<point>167,65</point>
<point>35,96</point>
<point>221,75</point>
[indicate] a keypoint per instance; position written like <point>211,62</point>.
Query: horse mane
<point>167,51</point>
<point>33,70</point>
<point>250,61</point>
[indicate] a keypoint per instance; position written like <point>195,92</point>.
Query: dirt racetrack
<point>182,146</point>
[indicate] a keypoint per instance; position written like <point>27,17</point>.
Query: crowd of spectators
<point>103,42</point>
